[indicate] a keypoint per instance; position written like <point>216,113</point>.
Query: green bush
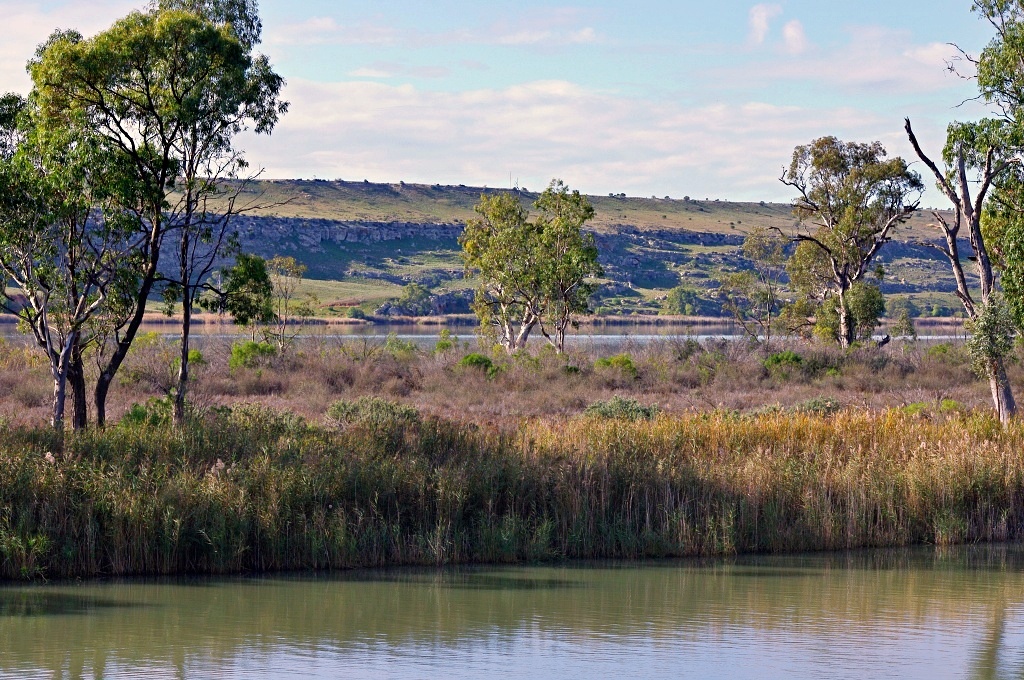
<point>373,412</point>
<point>155,413</point>
<point>621,362</point>
<point>264,421</point>
<point>819,406</point>
<point>195,358</point>
<point>249,354</point>
<point>355,313</point>
<point>785,359</point>
<point>445,341</point>
<point>479,362</point>
<point>398,347</point>
<point>620,408</point>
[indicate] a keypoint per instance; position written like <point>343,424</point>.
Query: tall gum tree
<point>533,274</point>
<point>61,245</point>
<point>169,89</point>
<point>854,196</point>
<point>974,158</point>
<point>982,160</point>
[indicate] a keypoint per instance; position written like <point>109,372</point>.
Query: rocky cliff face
<point>261,233</point>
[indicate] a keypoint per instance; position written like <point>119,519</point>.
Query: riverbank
<point>375,484</point>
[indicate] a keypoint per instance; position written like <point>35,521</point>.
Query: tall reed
<point>257,490</point>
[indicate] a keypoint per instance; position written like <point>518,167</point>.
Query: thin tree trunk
<point>845,330</point>
<point>59,371</point>
<point>1002,394</point>
<point>59,394</point>
<point>182,388</point>
<point>79,398</point>
<point>121,348</point>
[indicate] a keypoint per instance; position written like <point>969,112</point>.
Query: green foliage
<point>372,412</point>
<point>991,338</point>
<point>414,301</point>
<point>248,291</point>
<point>620,362</point>
<point>531,273</point>
<point>195,358</point>
<point>785,359</point>
<point>250,354</point>
<point>864,307</point>
<point>155,413</point>
<point>903,326</point>
<point>479,362</point>
<point>398,347</point>
<point>855,195</point>
<point>445,342</point>
<point>355,313</point>
<point>752,296</point>
<point>686,301</point>
<point>621,408</point>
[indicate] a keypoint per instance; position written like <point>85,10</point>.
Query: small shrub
<point>819,406</point>
<point>621,362</point>
<point>915,409</point>
<point>249,354</point>
<point>195,360</point>
<point>355,313</point>
<point>373,412</point>
<point>397,347</point>
<point>155,413</point>
<point>620,408</point>
<point>951,406</point>
<point>445,341</point>
<point>479,362</point>
<point>785,359</point>
<point>263,420</point>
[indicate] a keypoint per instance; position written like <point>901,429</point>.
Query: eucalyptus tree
<point>981,160</point>
<point>568,259</point>
<point>853,195</point>
<point>533,274</point>
<point>499,245</point>
<point>169,89</point>
<point>753,296</point>
<point>63,244</point>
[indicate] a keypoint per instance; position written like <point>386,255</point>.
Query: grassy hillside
<point>648,245</point>
<point>370,202</point>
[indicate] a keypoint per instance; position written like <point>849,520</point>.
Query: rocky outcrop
<point>302,234</point>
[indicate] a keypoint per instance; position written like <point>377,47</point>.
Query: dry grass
<point>252,489</point>
<point>677,374</point>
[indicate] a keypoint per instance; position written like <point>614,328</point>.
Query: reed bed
<point>252,490</point>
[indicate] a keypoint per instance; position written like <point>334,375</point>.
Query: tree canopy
<point>852,196</point>
<point>532,274</point>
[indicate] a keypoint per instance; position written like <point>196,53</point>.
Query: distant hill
<point>363,241</point>
<point>423,203</point>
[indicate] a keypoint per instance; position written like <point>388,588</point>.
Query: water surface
<point>924,613</point>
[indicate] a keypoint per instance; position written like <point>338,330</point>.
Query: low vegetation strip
<point>253,489</point>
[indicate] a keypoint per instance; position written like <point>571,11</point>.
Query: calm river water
<point>902,614</point>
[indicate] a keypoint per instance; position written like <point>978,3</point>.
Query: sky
<point>648,98</point>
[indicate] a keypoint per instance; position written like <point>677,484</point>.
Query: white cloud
<point>326,30</point>
<point>759,19</point>
<point>559,27</point>
<point>874,60</point>
<point>383,69</point>
<point>27,25</point>
<point>793,37</point>
<point>595,140</point>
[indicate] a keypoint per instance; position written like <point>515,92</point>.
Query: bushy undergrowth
<point>254,489</point>
<point>621,408</point>
<point>681,374</point>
